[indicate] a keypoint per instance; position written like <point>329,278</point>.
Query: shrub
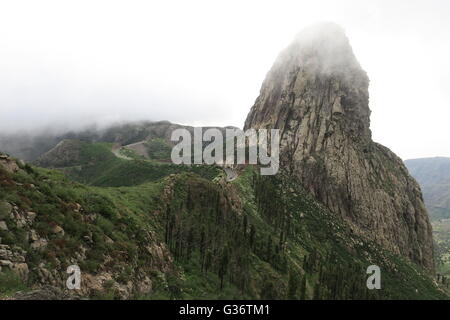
<point>10,283</point>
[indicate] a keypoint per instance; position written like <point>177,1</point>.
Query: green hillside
<point>188,237</point>
<point>441,235</point>
<point>95,164</point>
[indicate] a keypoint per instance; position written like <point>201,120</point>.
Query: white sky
<point>203,62</point>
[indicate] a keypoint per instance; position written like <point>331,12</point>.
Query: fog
<point>67,64</point>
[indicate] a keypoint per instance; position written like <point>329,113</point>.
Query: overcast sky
<point>203,62</point>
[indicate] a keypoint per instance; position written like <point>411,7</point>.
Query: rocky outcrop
<point>45,293</point>
<point>317,95</point>
<point>8,163</point>
<point>13,258</point>
<point>50,282</point>
<point>28,242</point>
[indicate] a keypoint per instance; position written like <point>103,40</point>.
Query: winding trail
<point>116,151</point>
<point>231,174</point>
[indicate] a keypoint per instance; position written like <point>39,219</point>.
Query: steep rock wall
<point>317,95</point>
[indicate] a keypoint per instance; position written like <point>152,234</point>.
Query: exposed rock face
<point>8,164</point>
<point>45,293</point>
<point>317,95</point>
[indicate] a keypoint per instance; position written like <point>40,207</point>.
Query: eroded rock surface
<point>317,95</point>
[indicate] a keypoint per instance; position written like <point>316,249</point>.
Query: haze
<point>66,64</point>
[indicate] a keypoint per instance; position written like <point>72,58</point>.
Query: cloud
<point>68,64</point>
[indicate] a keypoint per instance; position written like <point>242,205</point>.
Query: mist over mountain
<point>30,146</point>
<point>111,202</point>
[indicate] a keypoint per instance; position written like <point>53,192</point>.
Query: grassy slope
<point>441,234</point>
<point>98,166</point>
<point>213,231</point>
<point>317,230</point>
<point>433,175</point>
<point>120,214</point>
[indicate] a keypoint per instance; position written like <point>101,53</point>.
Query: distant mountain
<point>104,164</point>
<point>433,175</point>
<point>141,137</point>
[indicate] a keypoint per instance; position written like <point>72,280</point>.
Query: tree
<point>317,293</point>
<point>292,285</point>
<point>202,247</point>
<point>252,236</point>
<point>208,260</point>
<point>245,227</point>
<point>190,242</point>
<point>223,266</point>
<point>174,286</point>
<point>303,288</point>
<point>269,248</point>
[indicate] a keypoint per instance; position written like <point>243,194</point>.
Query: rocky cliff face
<point>317,95</point>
